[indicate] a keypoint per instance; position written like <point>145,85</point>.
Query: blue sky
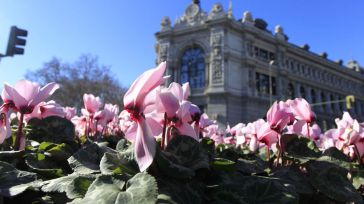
<point>121,32</point>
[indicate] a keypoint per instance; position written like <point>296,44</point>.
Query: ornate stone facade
<point>237,69</point>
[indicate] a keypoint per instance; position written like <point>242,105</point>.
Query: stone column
<point>328,106</point>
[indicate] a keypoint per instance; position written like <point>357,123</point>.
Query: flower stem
<point>357,154</point>
<point>308,129</point>
<point>164,132</point>
<point>19,135</point>
<point>280,149</point>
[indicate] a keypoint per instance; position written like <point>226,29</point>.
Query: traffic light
<point>350,99</point>
<point>16,41</point>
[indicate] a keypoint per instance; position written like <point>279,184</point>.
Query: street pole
<point>270,82</point>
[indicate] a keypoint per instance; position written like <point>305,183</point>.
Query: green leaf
<point>357,175</point>
<point>60,152</point>
<point>74,185</point>
<point>87,159</point>
<point>208,145</point>
<point>188,152</point>
<point>182,157</point>
<point>142,188</point>
<point>79,186</point>
<point>44,165</point>
<point>332,181</point>
<point>9,156</point>
<point>12,181</point>
<point>170,167</point>
<point>300,148</point>
<point>256,189</point>
<point>227,197</point>
<point>294,176</point>
<point>118,163</point>
<point>59,184</point>
<point>267,190</point>
<point>44,146</point>
<point>253,165</point>
<point>223,164</point>
<point>173,191</point>
<point>335,156</point>
<point>52,129</point>
<point>121,145</point>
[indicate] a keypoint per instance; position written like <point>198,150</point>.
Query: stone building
<point>231,65</point>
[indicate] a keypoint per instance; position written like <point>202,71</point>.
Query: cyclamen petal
<point>92,103</point>
<point>143,85</point>
<point>167,102</point>
<point>187,129</point>
<point>27,89</point>
<point>44,93</point>
<point>302,110</point>
<point>145,145</point>
<point>279,116</point>
<point>186,90</point>
<point>14,96</point>
<point>5,129</point>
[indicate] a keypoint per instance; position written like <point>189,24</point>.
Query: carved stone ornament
<point>278,29</point>
<point>216,71</point>
<point>193,16</point>
<point>217,12</point>
<point>248,18</point>
<point>166,23</point>
<point>163,52</point>
<point>216,40</point>
<point>217,8</point>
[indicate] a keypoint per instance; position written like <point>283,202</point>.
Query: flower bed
<point>162,149</point>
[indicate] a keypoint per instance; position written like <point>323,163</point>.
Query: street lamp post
<point>270,82</point>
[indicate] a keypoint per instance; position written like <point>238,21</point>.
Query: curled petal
<point>186,90</point>
<point>167,102</point>
<point>18,100</point>
<point>143,85</point>
<point>44,93</point>
<point>187,129</point>
<point>145,145</point>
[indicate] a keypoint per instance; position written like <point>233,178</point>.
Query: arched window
<point>193,67</point>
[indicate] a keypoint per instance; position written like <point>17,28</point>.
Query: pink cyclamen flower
<point>5,129</point>
<point>110,113</point>
<point>346,122</point>
<point>69,112</point>
<point>92,104</point>
<point>170,101</point>
<point>81,124</point>
<point>213,132</point>
<point>279,116</point>
<point>300,128</point>
<point>144,142</point>
<point>302,110</point>
<point>46,109</point>
<point>266,135</point>
<point>25,95</point>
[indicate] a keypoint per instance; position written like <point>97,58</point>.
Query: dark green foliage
<point>58,169</point>
<point>52,129</point>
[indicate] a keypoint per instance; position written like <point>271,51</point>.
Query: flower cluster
<point>156,113</point>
